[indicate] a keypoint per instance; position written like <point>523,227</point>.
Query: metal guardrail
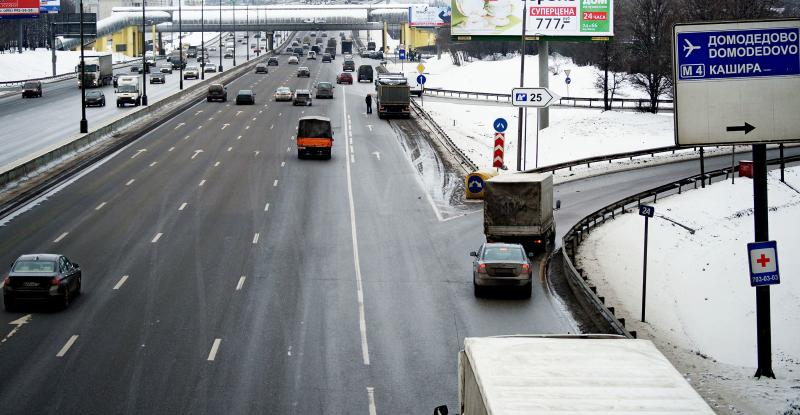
<point>626,103</point>
<point>577,232</point>
<point>466,163</point>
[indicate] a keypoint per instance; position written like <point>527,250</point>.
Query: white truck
<point>99,70</point>
<point>580,374</point>
<point>129,91</point>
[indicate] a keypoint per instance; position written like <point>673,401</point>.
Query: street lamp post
<point>203,39</point>
<point>233,2</point>
<point>144,58</point>
<point>180,44</point>
<point>220,36</point>
<point>247,30</point>
<point>84,127</point>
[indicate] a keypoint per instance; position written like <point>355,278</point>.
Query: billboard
<point>19,9</point>
<point>49,6</point>
<point>549,19</point>
<point>422,15</point>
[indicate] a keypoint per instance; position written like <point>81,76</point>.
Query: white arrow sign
<point>224,126</point>
<point>377,154</point>
<point>532,97</point>
<point>19,323</point>
<point>196,152</point>
<point>138,152</point>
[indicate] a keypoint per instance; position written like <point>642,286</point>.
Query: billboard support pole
<point>761,222</point>
<point>520,118</point>
<point>84,126</point>
<point>53,45</point>
<point>544,81</point>
<point>19,36</point>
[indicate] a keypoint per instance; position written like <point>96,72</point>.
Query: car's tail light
<point>406,109</point>
<point>7,280</point>
<point>54,281</point>
<point>482,268</point>
<point>526,268</point>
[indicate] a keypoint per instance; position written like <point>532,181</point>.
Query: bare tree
<point>704,10</point>
<point>650,26</point>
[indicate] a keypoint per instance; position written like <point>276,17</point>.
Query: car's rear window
<point>34,266</point>
<point>31,85</point>
<point>314,129</point>
<point>215,88</point>
<point>503,253</point>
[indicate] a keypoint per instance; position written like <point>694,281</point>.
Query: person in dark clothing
<point>368,100</point>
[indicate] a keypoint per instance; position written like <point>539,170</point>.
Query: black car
<point>138,68</point>
<point>245,96</point>
<point>349,65</point>
<point>43,277</point>
<point>365,73</point>
<point>217,92</point>
<point>32,89</point>
<point>95,98</point>
<point>261,68</point>
<point>272,61</point>
<point>326,57</point>
<point>158,78</point>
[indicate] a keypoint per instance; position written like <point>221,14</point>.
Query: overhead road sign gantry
<point>737,82</point>
<point>532,97</point>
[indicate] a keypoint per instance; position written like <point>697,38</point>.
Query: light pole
<point>144,58</point>
<point>233,2</point>
<point>220,36</point>
<point>180,44</point>
<point>247,31</point>
<point>203,39</point>
<point>84,128</point>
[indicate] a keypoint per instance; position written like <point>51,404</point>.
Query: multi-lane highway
<point>33,124</point>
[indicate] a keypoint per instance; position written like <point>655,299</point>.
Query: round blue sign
<point>568,80</point>
<point>475,183</point>
<point>500,125</point>
<point>421,79</point>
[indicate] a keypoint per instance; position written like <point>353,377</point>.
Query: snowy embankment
<point>700,306</point>
<point>38,63</point>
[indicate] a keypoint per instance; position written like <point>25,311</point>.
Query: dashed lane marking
<point>60,237</point>
<point>120,282</point>
<point>156,238</point>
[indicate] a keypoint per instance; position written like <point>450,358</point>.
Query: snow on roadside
<point>700,306</point>
<point>38,63</point>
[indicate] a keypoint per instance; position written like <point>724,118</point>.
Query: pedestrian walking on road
<point>368,100</point>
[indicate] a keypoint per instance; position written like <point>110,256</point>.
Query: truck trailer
<point>579,374</point>
<point>347,46</point>
<point>518,208</point>
<point>99,70</point>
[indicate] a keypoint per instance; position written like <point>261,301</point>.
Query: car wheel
<point>477,290</point>
<point>527,290</point>
<point>300,154</point>
<point>78,287</point>
<point>9,304</point>
<point>65,299</point>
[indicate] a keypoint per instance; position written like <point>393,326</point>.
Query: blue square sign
<point>763,259</point>
<point>522,97</point>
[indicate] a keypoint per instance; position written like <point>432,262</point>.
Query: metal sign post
<point>500,126</point>
<point>647,212</point>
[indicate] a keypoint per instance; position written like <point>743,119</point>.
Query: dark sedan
<point>43,277</point>
<point>273,61</point>
<point>501,264</point>
<point>95,98</point>
<point>261,68</point>
<point>245,96</point>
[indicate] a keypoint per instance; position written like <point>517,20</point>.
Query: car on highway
<point>32,89</point>
<point>212,48</point>
<point>315,49</point>
<point>349,65</point>
<point>293,60</point>
<point>191,72</point>
<point>325,90</point>
<point>158,78</point>
<point>365,73</point>
<point>261,68</point>
<point>217,92</point>
<point>501,264</point>
<point>324,35</point>
<point>95,98</point>
<point>345,78</point>
<point>245,97</point>
<point>302,97</point>
<point>165,68</point>
<point>210,69</point>
<point>41,277</point>
<point>273,61</point>
<point>283,94</point>
<point>326,58</point>
<point>138,68</point>
<point>303,72</point>
<point>228,55</point>
<point>311,55</point>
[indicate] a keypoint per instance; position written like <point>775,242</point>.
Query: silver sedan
<point>501,264</point>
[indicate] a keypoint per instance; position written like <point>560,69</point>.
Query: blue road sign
<point>421,79</point>
<point>521,97</point>
<point>648,211</point>
<point>500,125</point>
<point>763,258</point>
<point>749,53</point>
<point>568,80</point>
<point>475,184</point>
<point>401,54</point>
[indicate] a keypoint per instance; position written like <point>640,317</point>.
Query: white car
<point>191,72</point>
<point>293,60</point>
<point>283,94</point>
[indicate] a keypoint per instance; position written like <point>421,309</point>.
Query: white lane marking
<point>260,111</point>
<point>288,149</point>
<point>257,153</point>
<point>66,347</point>
<point>272,126</point>
<point>291,138</point>
<point>202,182</point>
<point>239,137</point>
<point>130,182</point>
<point>138,152</point>
<point>224,126</point>
<point>213,353</point>
<point>153,163</point>
<point>18,323</point>
<point>266,207</point>
<point>198,112</point>
<point>180,125</point>
<point>238,112</point>
<point>60,237</point>
<point>362,321</point>
<point>183,206</point>
<point>186,138</point>
<point>211,118</point>
<point>120,282</point>
<point>230,148</point>
<point>289,352</point>
<point>100,206</point>
<point>199,127</point>
<point>216,164</point>
<point>280,114</point>
<point>255,238</point>
<point>254,118</point>
<point>241,283</point>
<point>275,183</point>
<point>156,238</point>
<point>377,155</point>
<point>196,152</point>
<point>247,127</point>
<point>370,127</point>
<point>371,395</point>
<point>283,163</point>
<point>171,148</point>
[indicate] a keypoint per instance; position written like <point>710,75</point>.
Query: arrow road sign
<point>532,97</point>
<point>499,149</point>
<point>475,184</point>
<point>746,128</point>
<point>500,125</point>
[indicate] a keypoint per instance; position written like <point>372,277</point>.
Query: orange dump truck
<point>314,137</point>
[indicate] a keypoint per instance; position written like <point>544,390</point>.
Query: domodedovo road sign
<point>737,82</point>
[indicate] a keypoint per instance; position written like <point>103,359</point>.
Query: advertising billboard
<point>547,19</point>
<point>19,9</point>
<point>49,6</point>
<point>421,15</point>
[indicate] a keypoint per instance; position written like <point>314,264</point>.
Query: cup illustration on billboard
<point>500,10</point>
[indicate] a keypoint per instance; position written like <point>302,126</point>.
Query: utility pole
<point>144,58</point>
<point>180,44</point>
<point>84,127</point>
<point>521,117</point>
<point>203,39</point>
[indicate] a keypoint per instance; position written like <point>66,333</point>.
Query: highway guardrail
<point>467,165</point>
<point>579,282</point>
<point>580,102</point>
